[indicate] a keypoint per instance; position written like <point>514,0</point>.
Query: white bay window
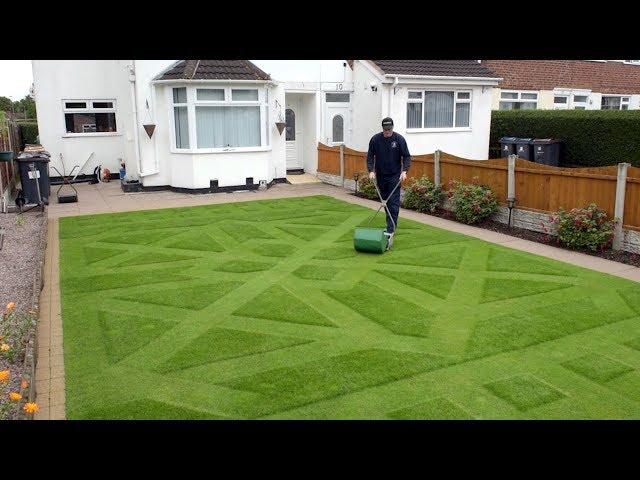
<point>219,118</point>
<point>435,109</point>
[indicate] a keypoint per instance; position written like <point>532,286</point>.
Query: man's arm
<point>406,156</point>
<point>370,156</point>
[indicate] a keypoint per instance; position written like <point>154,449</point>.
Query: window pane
<point>559,99</point>
<point>75,105</point>
<point>624,107</point>
<point>181,126</point>
<point>610,103</point>
<point>338,128</point>
<point>509,95</point>
<point>625,99</point>
<point>290,119</point>
<point>211,94</point>
<point>218,127</point>
<point>529,96</point>
<point>245,95</point>
<point>438,110</point>
<point>90,122</point>
<point>580,98</point>
<point>464,95</point>
<point>415,95</point>
<point>102,104</point>
<point>414,115</point>
<point>506,106</point>
<point>337,97</point>
<point>580,108</point>
<point>526,105</point>
<point>462,114</point>
<point>179,95</point>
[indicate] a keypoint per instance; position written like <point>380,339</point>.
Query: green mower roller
<point>374,240</point>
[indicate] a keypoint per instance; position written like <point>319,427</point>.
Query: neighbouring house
<point>566,84</point>
<point>205,125</point>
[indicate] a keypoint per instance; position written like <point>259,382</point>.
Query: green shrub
<point>591,137</point>
<point>29,133</point>
<point>366,187</point>
<point>423,195</point>
<point>471,203</point>
<point>584,228</point>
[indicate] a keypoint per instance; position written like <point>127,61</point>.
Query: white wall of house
<point>59,80</point>
<point>367,106</point>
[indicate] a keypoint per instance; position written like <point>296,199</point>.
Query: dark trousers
<point>386,184</point>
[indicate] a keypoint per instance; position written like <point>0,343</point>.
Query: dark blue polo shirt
<point>388,156</point>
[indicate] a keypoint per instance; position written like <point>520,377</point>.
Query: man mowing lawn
<point>388,161</point>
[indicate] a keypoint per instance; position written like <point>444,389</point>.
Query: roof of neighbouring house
<point>435,68</point>
<point>214,70</point>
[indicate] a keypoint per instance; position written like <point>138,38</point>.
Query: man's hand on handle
<point>403,176</point>
<point>372,175</point>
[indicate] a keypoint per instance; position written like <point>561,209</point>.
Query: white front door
<point>293,132</point>
<point>337,128</point>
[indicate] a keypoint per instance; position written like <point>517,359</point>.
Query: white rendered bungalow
<point>210,125</point>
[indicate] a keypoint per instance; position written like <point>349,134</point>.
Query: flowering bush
<point>423,195</point>
<point>586,227</point>
<point>366,187</point>
<point>471,202</point>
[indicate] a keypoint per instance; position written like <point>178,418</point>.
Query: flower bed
<point>21,268</point>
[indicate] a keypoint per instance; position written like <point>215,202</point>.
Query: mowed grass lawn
<point>264,310</point>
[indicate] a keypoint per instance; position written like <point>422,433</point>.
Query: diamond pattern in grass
<point>147,409</point>
<point>507,260</point>
<point>442,256</point>
<point>494,289</point>
<point>224,343</point>
<point>385,308</point>
<point>193,297</point>
<point>292,386</point>
<point>278,304</point>
<point>138,238</point>
<point>243,231</point>
<point>438,285</point>
<point>305,233</point>
<point>275,249</point>
<point>330,220</point>
<point>126,333</point>
<point>633,343</point>
<point>315,272</point>
<point>524,391</point>
<point>530,327</point>
<point>107,281</point>
<point>197,241</point>
<point>435,409</point>
<point>597,367</point>
<point>243,266</point>
<point>632,298</point>
<point>153,257</point>
<point>95,254</point>
<point>336,253</point>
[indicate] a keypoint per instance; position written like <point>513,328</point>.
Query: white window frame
<point>193,102</point>
<point>561,106</point>
<point>456,100</point>
<point>575,104</point>
<point>622,100</point>
<point>89,109</point>
<point>519,98</point>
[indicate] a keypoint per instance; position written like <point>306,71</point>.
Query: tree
<point>5,104</point>
<point>27,106</point>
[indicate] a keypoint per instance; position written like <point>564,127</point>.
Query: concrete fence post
<point>342,164</point>
<point>436,168</point>
<point>511,177</point>
<point>621,187</point>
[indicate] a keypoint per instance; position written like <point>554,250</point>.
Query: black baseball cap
<point>387,123</point>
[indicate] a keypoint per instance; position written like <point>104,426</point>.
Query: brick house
<point>566,84</point>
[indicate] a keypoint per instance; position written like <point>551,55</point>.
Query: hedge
<point>29,133</point>
<point>591,137</point>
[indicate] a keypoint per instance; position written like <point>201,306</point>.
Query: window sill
<point>437,130</point>
<point>95,134</point>
<point>220,150</point>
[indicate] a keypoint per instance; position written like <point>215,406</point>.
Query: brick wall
<point>603,77</point>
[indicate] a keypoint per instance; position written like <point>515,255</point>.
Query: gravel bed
<point>19,262</point>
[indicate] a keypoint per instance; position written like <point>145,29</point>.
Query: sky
<point>15,78</point>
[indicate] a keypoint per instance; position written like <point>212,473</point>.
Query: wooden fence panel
<point>484,172</point>
<point>354,162</point>
<point>632,204</point>
<point>328,159</point>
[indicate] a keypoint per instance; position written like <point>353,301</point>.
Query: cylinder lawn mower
<point>374,240</point>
